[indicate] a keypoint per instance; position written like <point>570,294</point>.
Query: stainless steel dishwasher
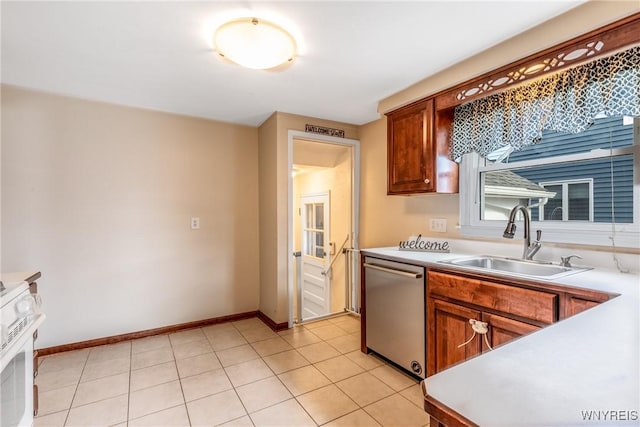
<point>395,313</point>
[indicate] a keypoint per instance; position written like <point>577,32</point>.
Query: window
<point>579,188</point>
<point>314,230</point>
<point>572,201</point>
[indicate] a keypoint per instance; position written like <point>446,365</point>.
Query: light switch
<point>195,223</point>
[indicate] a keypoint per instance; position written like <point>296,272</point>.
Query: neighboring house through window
<point>577,186</point>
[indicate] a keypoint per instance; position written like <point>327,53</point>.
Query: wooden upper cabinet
<point>410,148</point>
<point>418,149</point>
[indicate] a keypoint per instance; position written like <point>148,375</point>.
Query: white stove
<point>9,290</point>
<point>21,316</point>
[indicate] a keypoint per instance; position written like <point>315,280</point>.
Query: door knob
<point>427,181</point>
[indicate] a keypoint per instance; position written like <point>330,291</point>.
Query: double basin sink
<point>512,266</point>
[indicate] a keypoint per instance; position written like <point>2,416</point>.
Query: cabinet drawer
<point>526,303</point>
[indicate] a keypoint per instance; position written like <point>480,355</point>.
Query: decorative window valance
<point>567,101</point>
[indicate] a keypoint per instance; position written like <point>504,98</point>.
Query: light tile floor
<point>233,374</point>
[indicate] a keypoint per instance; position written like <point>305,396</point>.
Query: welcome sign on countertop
<point>419,245</point>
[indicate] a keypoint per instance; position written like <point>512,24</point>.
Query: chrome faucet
<point>530,249</point>
<point>565,261</point>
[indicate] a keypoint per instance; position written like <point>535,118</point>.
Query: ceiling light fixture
<point>254,43</point>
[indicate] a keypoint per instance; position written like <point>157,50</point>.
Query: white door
<point>315,296</point>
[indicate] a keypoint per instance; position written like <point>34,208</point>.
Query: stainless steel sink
<point>514,266</point>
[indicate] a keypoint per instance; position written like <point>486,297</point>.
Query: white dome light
<point>254,43</point>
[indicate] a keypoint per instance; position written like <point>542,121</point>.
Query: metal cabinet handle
<point>427,181</point>
<point>393,271</point>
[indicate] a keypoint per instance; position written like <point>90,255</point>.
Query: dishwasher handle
<point>393,271</point>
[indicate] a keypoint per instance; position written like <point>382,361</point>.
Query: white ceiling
<point>158,55</point>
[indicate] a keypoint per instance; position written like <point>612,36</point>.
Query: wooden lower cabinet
<point>509,312</point>
<point>574,303</point>
<point>510,308</point>
<point>577,305</point>
<point>502,330</point>
<point>449,327</point>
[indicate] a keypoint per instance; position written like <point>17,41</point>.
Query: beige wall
<point>385,220</point>
<point>268,193</point>
<point>589,16</point>
<point>99,198</point>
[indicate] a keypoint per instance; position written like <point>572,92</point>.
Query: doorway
<point>323,226</point>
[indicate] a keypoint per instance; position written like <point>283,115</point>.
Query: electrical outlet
<point>195,223</point>
<point>438,225</point>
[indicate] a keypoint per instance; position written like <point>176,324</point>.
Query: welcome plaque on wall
<point>419,245</point>
<point>323,130</point>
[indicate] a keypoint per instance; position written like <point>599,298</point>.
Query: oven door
<point>17,388</point>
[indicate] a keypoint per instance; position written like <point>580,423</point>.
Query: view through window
<point>572,178</point>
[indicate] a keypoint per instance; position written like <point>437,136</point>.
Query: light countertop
<point>559,375</point>
<point>20,276</point>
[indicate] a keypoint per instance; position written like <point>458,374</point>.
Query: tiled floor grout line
<point>274,374</point>
<point>341,352</point>
<point>175,363</point>
<point>129,390</point>
<point>230,382</point>
<point>84,366</point>
<point>248,414</point>
<point>358,407</point>
<point>300,403</point>
<point>305,409</point>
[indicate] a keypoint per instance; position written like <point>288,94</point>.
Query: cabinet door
<point>448,328</point>
<point>502,330</point>
<point>410,150</point>
<point>575,305</point>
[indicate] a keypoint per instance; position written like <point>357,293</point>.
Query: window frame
<point>565,183</point>
<point>565,232</point>
<point>310,234</point>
